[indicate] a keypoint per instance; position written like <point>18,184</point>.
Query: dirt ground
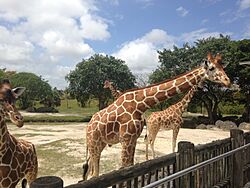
<point>61,147</point>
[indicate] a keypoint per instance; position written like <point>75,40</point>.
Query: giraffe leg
<point>94,162</point>
<point>153,131</point>
<point>128,151</point>
<point>152,147</point>
<point>31,175</point>
<point>175,134</point>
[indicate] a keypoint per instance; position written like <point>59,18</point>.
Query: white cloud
<point>112,2</point>
<point>145,3</point>
<point>247,31</point>
<point>94,28</point>
<point>199,34</point>
<point>182,11</point>
<point>141,54</point>
<point>204,21</point>
<point>45,36</point>
<point>14,47</point>
<point>244,4</point>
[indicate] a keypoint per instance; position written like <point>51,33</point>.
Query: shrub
<point>231,108</point>
<point>57,118</point>
<point>46,109</point>
<point>31,109</point>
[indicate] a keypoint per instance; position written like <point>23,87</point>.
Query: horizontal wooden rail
<point>124,174</point>
<point>194,167</point>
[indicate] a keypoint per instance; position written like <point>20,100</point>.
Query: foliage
<point>57,118</point>
<point>241,52</point>
<point>52,100</point>
<point>36,88</point>
<point>86,81</point>
<point>46,109</point>
<point>179,60</point>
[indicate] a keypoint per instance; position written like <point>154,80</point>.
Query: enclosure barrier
<point>217,164</point>
<point>195,167</point>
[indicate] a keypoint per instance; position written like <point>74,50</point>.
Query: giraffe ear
<point>209,56</point>
<point>18,91</point>
<point>218,57</point>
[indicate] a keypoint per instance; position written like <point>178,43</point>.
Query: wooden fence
<point>232,171</point>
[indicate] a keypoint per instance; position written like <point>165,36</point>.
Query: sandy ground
<point>61,147</point>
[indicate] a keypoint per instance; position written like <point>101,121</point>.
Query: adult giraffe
<point>18,158</point>
<point>122,120</point>
<point>168,119</point>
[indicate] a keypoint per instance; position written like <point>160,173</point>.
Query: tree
<point>179,60</point>
<point>241,52</point>
<point>86,81</point>
<point>37,89</point>
<point>52,99</point>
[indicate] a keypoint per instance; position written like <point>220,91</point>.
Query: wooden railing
<point>233,170</point>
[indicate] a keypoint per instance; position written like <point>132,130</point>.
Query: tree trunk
<point>246,115</point>
<point>210,112</point>
<point>101,103</point>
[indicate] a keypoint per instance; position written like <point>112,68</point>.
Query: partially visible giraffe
<point>18,158</point>
<point>121,122</point>
<point>168,119</point>
<point>115,93</point>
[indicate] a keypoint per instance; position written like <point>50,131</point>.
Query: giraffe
<point>121,122</point>
<point>18,158</point>
<point>168,119</point>
<point>115,93</point>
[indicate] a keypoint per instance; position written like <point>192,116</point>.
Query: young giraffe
<point>122,120</point>
<point>115,93</point>
<point>18,158</point>
<point>168,119</point>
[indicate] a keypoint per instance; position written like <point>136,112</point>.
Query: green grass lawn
<point>74,108</point>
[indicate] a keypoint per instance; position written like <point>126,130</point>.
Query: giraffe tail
<point>24,183</point>
<point>85,168</point>
<point>146,142</point>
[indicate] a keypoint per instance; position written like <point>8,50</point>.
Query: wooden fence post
<point>185,159</point>
<point>247,158</point>
<point>237,139</point>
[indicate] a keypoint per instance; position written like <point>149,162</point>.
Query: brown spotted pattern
<point>18,158</point>
<point>168,119</point>
<point>115,93</point>
<point>122,122</point>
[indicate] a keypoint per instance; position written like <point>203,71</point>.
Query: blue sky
<point>49,38</point>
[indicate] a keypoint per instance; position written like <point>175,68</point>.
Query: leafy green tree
<point>2,74</point>
<point>241,73</point>
<point>37,89</point>
<point>87,79</point>
<point>52,99</point>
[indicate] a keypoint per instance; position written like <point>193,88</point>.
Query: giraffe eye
<point>212,68</point>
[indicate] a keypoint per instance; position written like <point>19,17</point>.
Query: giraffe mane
<point>158,83</point>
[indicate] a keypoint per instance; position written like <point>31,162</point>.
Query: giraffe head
<point>107,84</point>
<point>8,98</point>
<point>215,71</point>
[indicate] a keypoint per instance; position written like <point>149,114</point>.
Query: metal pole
<point>193,168</point>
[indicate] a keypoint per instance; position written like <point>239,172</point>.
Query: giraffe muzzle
<point>17,119</point>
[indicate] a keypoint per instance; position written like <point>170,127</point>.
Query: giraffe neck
<point>147,97</point>
<point>183,103</point>
<point>3,135</point>
<point>115,93</point>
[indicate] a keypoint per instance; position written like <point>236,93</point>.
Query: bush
<point>57,118</point>
<point>231,108</point>
<point>46,109</point>
<point>31,109</point>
